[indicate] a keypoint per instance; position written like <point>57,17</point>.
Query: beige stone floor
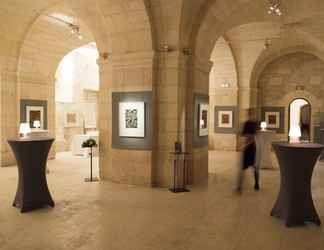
<point>109,216</point>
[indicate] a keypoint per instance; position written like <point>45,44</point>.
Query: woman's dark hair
<point>250,127</point>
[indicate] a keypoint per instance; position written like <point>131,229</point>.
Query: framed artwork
<point>71,119</point>
<point>272,119</point>
<point>225,119</point>
<point>33,110</point>
<point>35,113</point>
<point>132,119</point>
<point>203,119</point>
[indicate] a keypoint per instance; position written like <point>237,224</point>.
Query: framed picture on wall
<point>35,113</point>
<point>203,119</point>
<point>225,119</point>
<point>132,119</point>
<point>272,119</point>
<point>71,119</point>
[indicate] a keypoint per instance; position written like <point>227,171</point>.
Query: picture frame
<point>225,119</point>
<point>133,143</point>
<point>272,119</point>
<point>132,119</point>
<point>35,113</point>
<point>32,110</point>
<point>71,119</point>
<point>203,119</point>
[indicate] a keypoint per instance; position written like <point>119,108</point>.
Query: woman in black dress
<point>249,155</point>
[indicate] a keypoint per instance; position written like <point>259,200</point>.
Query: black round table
<point>31,155</point>
<point>294,203</point>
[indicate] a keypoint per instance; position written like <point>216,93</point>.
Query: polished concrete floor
<point>108,216</point>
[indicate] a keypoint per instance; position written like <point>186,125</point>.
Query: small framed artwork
<point>225,119</point>
<point>272,119</point>
<point>203,119</point>
<point>132,119</point>
<point>71,119</point>
<point>35,113</point>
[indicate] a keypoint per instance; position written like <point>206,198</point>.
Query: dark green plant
<point>89,143</point>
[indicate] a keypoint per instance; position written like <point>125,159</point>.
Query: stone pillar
<point>170,111</point>
<point>123,73</point>
<point>198,83</point>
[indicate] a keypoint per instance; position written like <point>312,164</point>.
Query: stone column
<point>123,73</point>
<point>170,111</point>
<point>198,83</point>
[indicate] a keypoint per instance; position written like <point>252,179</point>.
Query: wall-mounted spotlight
<point>226,84</point>
<point>166,48</point>
<point>186,51</point>
<point>104,55</point>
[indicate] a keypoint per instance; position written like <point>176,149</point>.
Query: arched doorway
<point>76,99</point>
<point>300,116</point>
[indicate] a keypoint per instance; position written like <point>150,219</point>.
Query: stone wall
<point>297,75</point>
<point>223,72</point>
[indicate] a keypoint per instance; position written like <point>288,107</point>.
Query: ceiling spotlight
<point>274,8</point>
<point>74,29</point>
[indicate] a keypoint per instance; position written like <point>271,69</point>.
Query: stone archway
<point>123,33</point>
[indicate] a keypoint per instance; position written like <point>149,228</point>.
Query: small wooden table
<point>31,155</point>
<point>294,203</point>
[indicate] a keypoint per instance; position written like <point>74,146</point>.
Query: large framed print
<point>132,119</point>
<point>225,119</point>
<point>35,113</point>
<point>203,119</point>
<point>272,119</point>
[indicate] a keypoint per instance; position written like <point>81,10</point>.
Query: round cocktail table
<point>294,203</point>
<point>31,155</point>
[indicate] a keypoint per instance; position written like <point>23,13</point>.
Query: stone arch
<point>264,60</point>
<point>313,101</point>
<point>46,43</point>
<point>124,36</point>
<point>224,71</point>
<point>283,76</point>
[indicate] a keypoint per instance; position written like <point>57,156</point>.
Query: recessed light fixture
<point>275,8</point>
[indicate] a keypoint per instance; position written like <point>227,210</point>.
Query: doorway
<point>300,115</point>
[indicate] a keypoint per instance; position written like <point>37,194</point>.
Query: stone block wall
<point>281,80</point>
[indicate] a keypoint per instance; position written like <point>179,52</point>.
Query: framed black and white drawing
<point>225,119</point>
<point>132,119</point>
<point>203,119</point>
<point>35,113</point>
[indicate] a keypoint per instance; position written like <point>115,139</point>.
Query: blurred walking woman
<point>250,154</point>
